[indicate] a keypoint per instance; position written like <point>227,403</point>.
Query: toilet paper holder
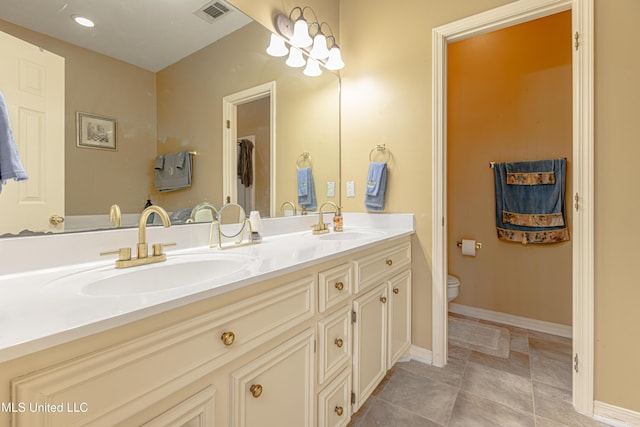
<point>478,244</point>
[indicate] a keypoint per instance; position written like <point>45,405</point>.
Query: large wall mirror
<point>163,105</point>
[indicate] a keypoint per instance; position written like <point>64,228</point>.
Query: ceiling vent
<point>213,11</point>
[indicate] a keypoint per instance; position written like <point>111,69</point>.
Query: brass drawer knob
<point>339,286</point>
<point>228,338</point>
<point>339,410</point>
<point>383,300</point>
<point>389,262</point>
<point>256,390</point>
<point>396,291</point>
<point>339,343</point>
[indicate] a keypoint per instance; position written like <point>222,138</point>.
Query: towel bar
<point>493,164</point>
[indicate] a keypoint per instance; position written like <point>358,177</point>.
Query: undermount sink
<point>350,235</point>
<point>178,271</point>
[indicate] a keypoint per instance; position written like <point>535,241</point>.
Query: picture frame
<point>96,131</point>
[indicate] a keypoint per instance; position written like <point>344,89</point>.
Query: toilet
<point>453,285</point>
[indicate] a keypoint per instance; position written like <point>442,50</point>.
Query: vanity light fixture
<point>313,68</point>
<point>277,47</point>
<point>81,20</point>
<point>298,34</point>
<point>295,59</point>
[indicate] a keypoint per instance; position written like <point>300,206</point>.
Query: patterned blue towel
<point>10,164</point>
<point>376,186</point>
<point>530,201</point>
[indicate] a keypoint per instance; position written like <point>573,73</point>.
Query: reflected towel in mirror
<point>10,164</point>
<point>306,189</point>
<point>175,173</point>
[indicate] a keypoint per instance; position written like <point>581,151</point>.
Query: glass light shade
<point>277,46</point>
<point>85,22</point>
<point>313,68</point>
<point>335,59</point>
<point>319,50</point>
<point>301,37</point>
<point>295,58</point>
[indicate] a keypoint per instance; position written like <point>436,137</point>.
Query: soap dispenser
<point>337,220</point>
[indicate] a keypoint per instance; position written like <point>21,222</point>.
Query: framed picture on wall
<point>95,131</point>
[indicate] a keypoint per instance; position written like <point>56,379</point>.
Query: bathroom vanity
<point>299,335</point>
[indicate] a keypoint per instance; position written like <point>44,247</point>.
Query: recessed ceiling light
<point>85,22</point>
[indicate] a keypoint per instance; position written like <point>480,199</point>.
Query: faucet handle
<point>157,248</point>
<point>124,254</point>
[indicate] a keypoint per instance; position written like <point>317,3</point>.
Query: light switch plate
<point>331,189</point>
<point>351,189</point>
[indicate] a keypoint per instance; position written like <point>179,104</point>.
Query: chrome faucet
<point>115,215</point>
<point>321,227</point>
<point>292,207</point>
<point>124,254</point>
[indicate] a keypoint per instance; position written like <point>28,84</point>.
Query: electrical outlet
<point>331,189</point>
<point>351,189</point>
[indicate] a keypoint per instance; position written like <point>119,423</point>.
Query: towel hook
<point>302,158</point>
<point>380,147</point>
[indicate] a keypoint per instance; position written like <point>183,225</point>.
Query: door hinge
<point>576,199</point>
<point>577,39</point>
<point>228,124</point>
<point>354,317</point>
<point>575,363</point>
<point>353,398</point>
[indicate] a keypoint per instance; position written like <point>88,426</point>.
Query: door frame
<point>582,201</point>
<point>230,136</point>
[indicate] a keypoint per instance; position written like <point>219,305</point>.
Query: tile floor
<point>531,388</point>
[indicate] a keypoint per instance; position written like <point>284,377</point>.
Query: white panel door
<point>32,81</point>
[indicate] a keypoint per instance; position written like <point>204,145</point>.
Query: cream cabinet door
<point>276,389</point>
<point>370,342</point>
<point>399,328</point>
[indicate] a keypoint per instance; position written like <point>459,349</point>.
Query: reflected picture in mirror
<point>165,106</point>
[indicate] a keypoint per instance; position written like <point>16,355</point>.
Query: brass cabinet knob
<point>339,410</point>
<point>383,300</point>
<point>339,343</point>
<point>339,286</point>
<point>256,390</point>
<point>396,291</point>
<point>389,262</point>
<point>228,338</point>
<point>56,219</point>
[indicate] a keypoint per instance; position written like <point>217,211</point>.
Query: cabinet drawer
<point>334,286</point>
<point>334,402</point>
<point>372,269</point>
<point>334,337</point>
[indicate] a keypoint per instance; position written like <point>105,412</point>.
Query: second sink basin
<point>178,271</point>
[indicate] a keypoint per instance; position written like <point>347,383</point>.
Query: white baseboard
<point>615,416</point>
<point>421,354</point>
<point>510,319</point>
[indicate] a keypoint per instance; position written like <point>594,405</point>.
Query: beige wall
<point>617,91</point>
<point>101,85</point>
<point>190,94</point>
<point>514,106</point>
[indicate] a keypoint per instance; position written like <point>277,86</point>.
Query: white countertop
<point>36,312</point>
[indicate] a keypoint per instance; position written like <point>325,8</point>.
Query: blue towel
<point>376,186</point>
<point>175,173</point>
<point>10,165</point>
<point>530,201</point>
<point>306,189</point>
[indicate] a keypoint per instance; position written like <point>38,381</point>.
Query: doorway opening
<point>249,147</point>
<point>582,176</point>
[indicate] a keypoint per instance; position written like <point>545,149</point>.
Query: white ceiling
<point>151,34</point>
